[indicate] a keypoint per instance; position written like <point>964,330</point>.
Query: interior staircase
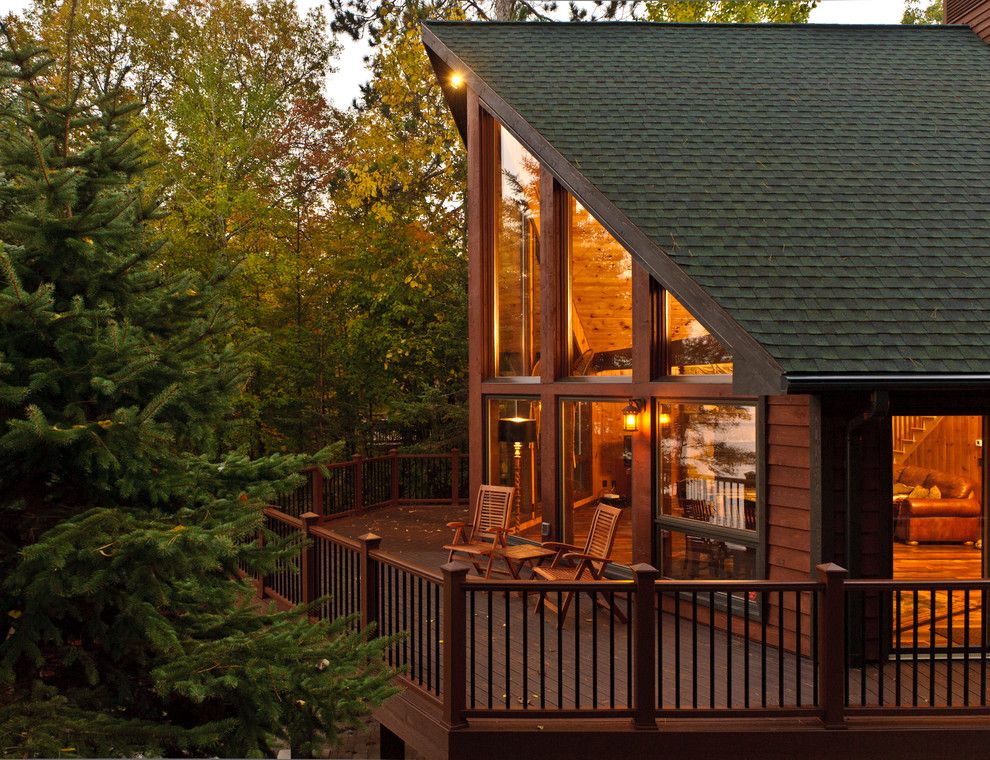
<point>909,432</point>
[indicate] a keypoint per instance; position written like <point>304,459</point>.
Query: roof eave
<point>812,383</point>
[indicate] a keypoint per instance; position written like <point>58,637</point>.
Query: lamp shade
<point>516,430</point>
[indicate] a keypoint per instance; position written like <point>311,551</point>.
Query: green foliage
<point>128,629</point>
<point>730,11</point>
<point>922,12</point>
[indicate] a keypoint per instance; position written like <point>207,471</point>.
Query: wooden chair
<point>488,528</point>
<point>699,550</point>
<point>588,563</point>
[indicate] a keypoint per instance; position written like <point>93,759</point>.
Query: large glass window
<point>517,259</point>
<point>599,278</point>
<point>707,500</point>
<point>596,467</point>
<point>691,349</point>
<point>514,458</point>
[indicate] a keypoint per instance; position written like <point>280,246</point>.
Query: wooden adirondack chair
<point>488,529</point>
<point>574,564</point>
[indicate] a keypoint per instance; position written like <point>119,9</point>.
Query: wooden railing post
<point>832,644</point>
<point>455,476</point>
<point>307,558</point>
<point>369,580</point>
<point>316,479</point>
<point>358,465</point>
<point>454,644</point>
<point>260,577</point>
<point>394,458</point>
<point>644,621</point>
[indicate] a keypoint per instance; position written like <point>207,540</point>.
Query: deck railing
<point>362,483</point>
<point>646,648</point>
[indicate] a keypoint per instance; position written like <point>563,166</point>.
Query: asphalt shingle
<point>829,186</point>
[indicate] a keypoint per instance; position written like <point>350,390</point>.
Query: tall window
<point>596,467</point>
<point>707,500</point>
<point>517,259</point>
<point>599,279</point>
<point>514,458</point>
<point>691,349</point>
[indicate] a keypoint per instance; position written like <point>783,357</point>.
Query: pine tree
<point>125,626</point>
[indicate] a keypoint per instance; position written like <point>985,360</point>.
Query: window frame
<point>757,538</point>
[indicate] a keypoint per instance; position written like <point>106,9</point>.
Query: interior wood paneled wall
<point>951,447</point>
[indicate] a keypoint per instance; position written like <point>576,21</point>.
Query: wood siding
<point>975,13</point>
<point>789,496</point>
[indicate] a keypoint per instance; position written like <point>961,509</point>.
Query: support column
<point>641,513</point>
<point>552,361</point>
<point>479,318</point>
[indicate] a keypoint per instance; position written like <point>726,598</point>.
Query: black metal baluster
<point>436,637</point>
<point>471,649</point>
<point>525,652</point>
<point>746,650</point>
<point>931,648</point>
<point>763,652</point>
<point>594,651</point>
<point>543,652</point>
<point>814,648</point>
<point>629,650</point>
<point>798,647</point>
<point>491,637</point>
<point>897,648</point>
<point>560,656</point>
<point>577,649</point>
<point>677,650</point>
<point>914,651</point>
<point>862,659</point>
<point>966,648</point>
<point>419,627</point>
<point>711,649</point>
<point>780,648</point>
<point>658,600</point>
<point>694,649</point>
<point>508,651</point>
<point>728,649</point>
<point>948,649</point>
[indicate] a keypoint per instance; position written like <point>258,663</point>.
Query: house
<point>771,241</point>
<point>732,280</point>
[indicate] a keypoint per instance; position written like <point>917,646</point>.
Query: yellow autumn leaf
<point>15,614</point>
<point>105,423</point>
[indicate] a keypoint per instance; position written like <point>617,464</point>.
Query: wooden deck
<point>522,661</point>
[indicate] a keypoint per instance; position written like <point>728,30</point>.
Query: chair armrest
<point>556,545</point>
<point>456,524</point>
<point>577,556</point>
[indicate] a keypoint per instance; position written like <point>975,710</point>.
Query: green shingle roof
<point>828,186</point>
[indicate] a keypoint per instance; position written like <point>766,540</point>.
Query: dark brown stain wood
<point>974,13</point>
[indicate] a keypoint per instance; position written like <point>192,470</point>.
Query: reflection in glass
<point>517,260</point>
<point>599,274</point>
<point>708,464</point>
<point>686,555</point>
<point>693,350</point>
<point>597,465</point>
<point>514,458</point>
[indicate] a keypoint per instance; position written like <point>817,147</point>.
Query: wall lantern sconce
<point>663,416</point>
<point>630,414</point>
<point>456,80</point>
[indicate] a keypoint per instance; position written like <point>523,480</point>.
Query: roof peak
<point>692,24</point>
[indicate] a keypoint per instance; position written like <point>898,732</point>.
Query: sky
<point>343,85</point>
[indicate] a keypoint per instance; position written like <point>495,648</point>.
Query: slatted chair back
<point>492,511</point>
<point>601,534</point>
